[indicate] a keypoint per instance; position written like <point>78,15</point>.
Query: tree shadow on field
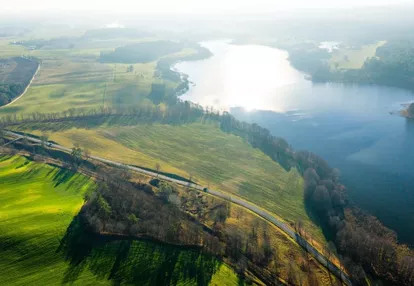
<point>132,261</point>
<point>62,176</point>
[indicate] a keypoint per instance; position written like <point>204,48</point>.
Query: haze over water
<point>350,126</point>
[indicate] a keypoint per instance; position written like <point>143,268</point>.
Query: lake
<point>350,126</point>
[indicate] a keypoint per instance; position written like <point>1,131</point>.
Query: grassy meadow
<point>74,78</point>
<point>213,158</point>
<point>353,58</point>
<point>287,249</point>
<point>37,205</point>
<point>70,79</point>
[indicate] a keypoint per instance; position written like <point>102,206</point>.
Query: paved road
<point>283,226</point>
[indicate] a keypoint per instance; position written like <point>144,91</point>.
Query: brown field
<point>17,70</point>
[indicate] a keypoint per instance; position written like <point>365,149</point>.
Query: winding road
<point>269,217</point>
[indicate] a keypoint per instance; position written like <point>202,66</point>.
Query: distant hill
<point>113,33</point>
<point>141,52</point>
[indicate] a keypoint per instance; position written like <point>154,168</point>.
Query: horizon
<point>185,7</point>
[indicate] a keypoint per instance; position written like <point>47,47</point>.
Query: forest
<point>141,52</point>
<point>350,229</point>
<point>15,75</point>
<point>393,65</point>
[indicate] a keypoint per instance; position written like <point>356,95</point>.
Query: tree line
<point>392,65</point>
<point>327,198</point>
<point>323,192</point>
<point>365,245</point>
<point>121,205</point>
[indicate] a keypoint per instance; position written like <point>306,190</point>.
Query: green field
<point>214,158</point>
<point>74,78</point>
<point>353,58</point>
<point>38,203</point>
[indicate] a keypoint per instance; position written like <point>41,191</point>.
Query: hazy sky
<point>186,6</point>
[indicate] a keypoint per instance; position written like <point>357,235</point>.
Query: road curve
<point>269,217</point>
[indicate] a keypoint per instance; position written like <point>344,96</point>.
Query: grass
<point>216,159</point>
<point>242,221</point>
<point>7,50</point>
<point>38,203</point>
<point>62,84</point>
<point>73,78</point>
<point>353,58</point>
<point>287,249</point>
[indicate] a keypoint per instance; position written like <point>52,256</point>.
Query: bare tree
<point>76,155</point>
<point>312,279</point>
<point>291,274</point>
<point>2,133</point>
<point>87,154</point>
<point>158,168</point>
<point>43,139</point>
<point>299,227</point>
<point>25,141</point>
<point>190,179</point>
<point>329,252</point>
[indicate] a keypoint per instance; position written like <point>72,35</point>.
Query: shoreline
<point>25,90</point>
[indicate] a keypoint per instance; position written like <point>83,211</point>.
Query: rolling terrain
<point>75,79</point>
<point>37,206</point>
<point>203,152</point>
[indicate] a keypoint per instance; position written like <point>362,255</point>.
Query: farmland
<point>37,206</point>
<point>198,150</point>
<point>353,58</point>
<point>74,78</point>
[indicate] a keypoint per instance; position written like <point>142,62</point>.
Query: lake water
<point>350,126</point>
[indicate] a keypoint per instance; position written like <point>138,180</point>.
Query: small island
<point>409,111</point>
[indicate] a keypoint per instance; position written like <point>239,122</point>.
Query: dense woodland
<point>66,42</point>
<point>164,66</point>
<point>140,52</point>
<point>10,91</point>
<point>13,83</point>
<point>160,212</point>
<point>114,33</point>
<point>323,193</point>
<point>393,65</point>
<point>365,245</point>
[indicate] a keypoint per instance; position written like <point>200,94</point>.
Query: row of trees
<point>393,65</point>
<point>323,192</point>
<point>374,247</point>
<point>364,243</point>
<point>276,148</point>
<point>119,207</point>
<point>179,113</point>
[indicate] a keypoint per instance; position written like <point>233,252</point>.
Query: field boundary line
<point>25,90</point>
